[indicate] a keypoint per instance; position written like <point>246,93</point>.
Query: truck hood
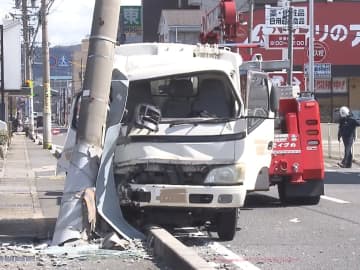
<point>183,144</point>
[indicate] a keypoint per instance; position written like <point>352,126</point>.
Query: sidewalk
<point>334,153</point>
<point>30,193</point>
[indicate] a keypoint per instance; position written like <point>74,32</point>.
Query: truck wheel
<point>282,193</point>
<point>226,224</point>
<point>309,200</point>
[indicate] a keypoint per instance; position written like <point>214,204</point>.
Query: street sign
<point>278,16</point>
<point>280,41</point>
<point>280,79</point>
<point>321,70</point>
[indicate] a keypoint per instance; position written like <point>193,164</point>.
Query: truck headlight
<point>225,175</point>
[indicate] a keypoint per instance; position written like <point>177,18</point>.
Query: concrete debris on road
<point>113,241</point>
<point>45,255</point>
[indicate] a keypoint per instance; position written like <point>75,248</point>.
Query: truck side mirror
<point>147,116</point>
<point>274,99</point>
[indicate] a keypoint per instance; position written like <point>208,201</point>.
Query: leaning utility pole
<point>47,139</point>
<point>27,63</point>
<point>85,159</point>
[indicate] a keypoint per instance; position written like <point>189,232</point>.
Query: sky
<point>69,20</point>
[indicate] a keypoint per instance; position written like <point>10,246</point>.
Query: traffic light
<point>27,87</point>
<point>29,83</point>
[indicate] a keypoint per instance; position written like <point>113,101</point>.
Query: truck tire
<point>282,193</point>
<point>226,224</point>
<point>299,200</point>
<point>310,200</point>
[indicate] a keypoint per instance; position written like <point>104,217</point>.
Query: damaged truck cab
<point>187,146</point>
<point>191,142</point>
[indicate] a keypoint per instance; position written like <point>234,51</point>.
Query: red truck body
<point>297,148</point>
<point>297,165</point>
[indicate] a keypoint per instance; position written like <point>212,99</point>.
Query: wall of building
<point>354,92</point>
<point>183,37</point>
<point>151,15</point>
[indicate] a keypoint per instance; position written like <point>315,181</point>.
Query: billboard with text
<point>336,31</point>
<point>12,54</point>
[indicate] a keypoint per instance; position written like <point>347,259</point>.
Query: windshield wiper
<point>259,117</point>
<point>197,121</point>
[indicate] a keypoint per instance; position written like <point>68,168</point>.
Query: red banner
<point>336,30</point>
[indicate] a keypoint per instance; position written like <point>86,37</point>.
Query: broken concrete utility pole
<point>84,163</point>
<point>47,138</point>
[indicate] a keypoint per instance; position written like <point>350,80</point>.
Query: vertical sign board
<point>131,25</point>
<point>12,54</point>
<point>279,16</point>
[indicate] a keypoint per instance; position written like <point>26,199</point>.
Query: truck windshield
<point>183,97</point>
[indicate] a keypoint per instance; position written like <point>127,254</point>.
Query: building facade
<point>336,50</point>
<point>180,26</point>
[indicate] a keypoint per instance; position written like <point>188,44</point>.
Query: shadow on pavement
<point>27,229</point>
<point>342,177</point>
<point>54,193</point>
<point>257,200</point>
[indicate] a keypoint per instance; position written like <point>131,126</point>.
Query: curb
<point>174,253</point>
<point>56,149</point>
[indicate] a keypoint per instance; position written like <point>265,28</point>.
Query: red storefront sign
<point>280,41</point>
<point>336,26</point>
<point>339,85</point>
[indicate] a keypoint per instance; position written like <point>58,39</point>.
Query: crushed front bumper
<point>188,196</point>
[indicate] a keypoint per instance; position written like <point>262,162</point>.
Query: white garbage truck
<point>191,140</point>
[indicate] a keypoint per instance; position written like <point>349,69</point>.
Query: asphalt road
<point>272,236</point>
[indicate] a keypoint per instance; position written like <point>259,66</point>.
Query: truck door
<point>260,130</point>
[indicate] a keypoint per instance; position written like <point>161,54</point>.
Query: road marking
<point>231,257</point>
<point>333,199</point>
